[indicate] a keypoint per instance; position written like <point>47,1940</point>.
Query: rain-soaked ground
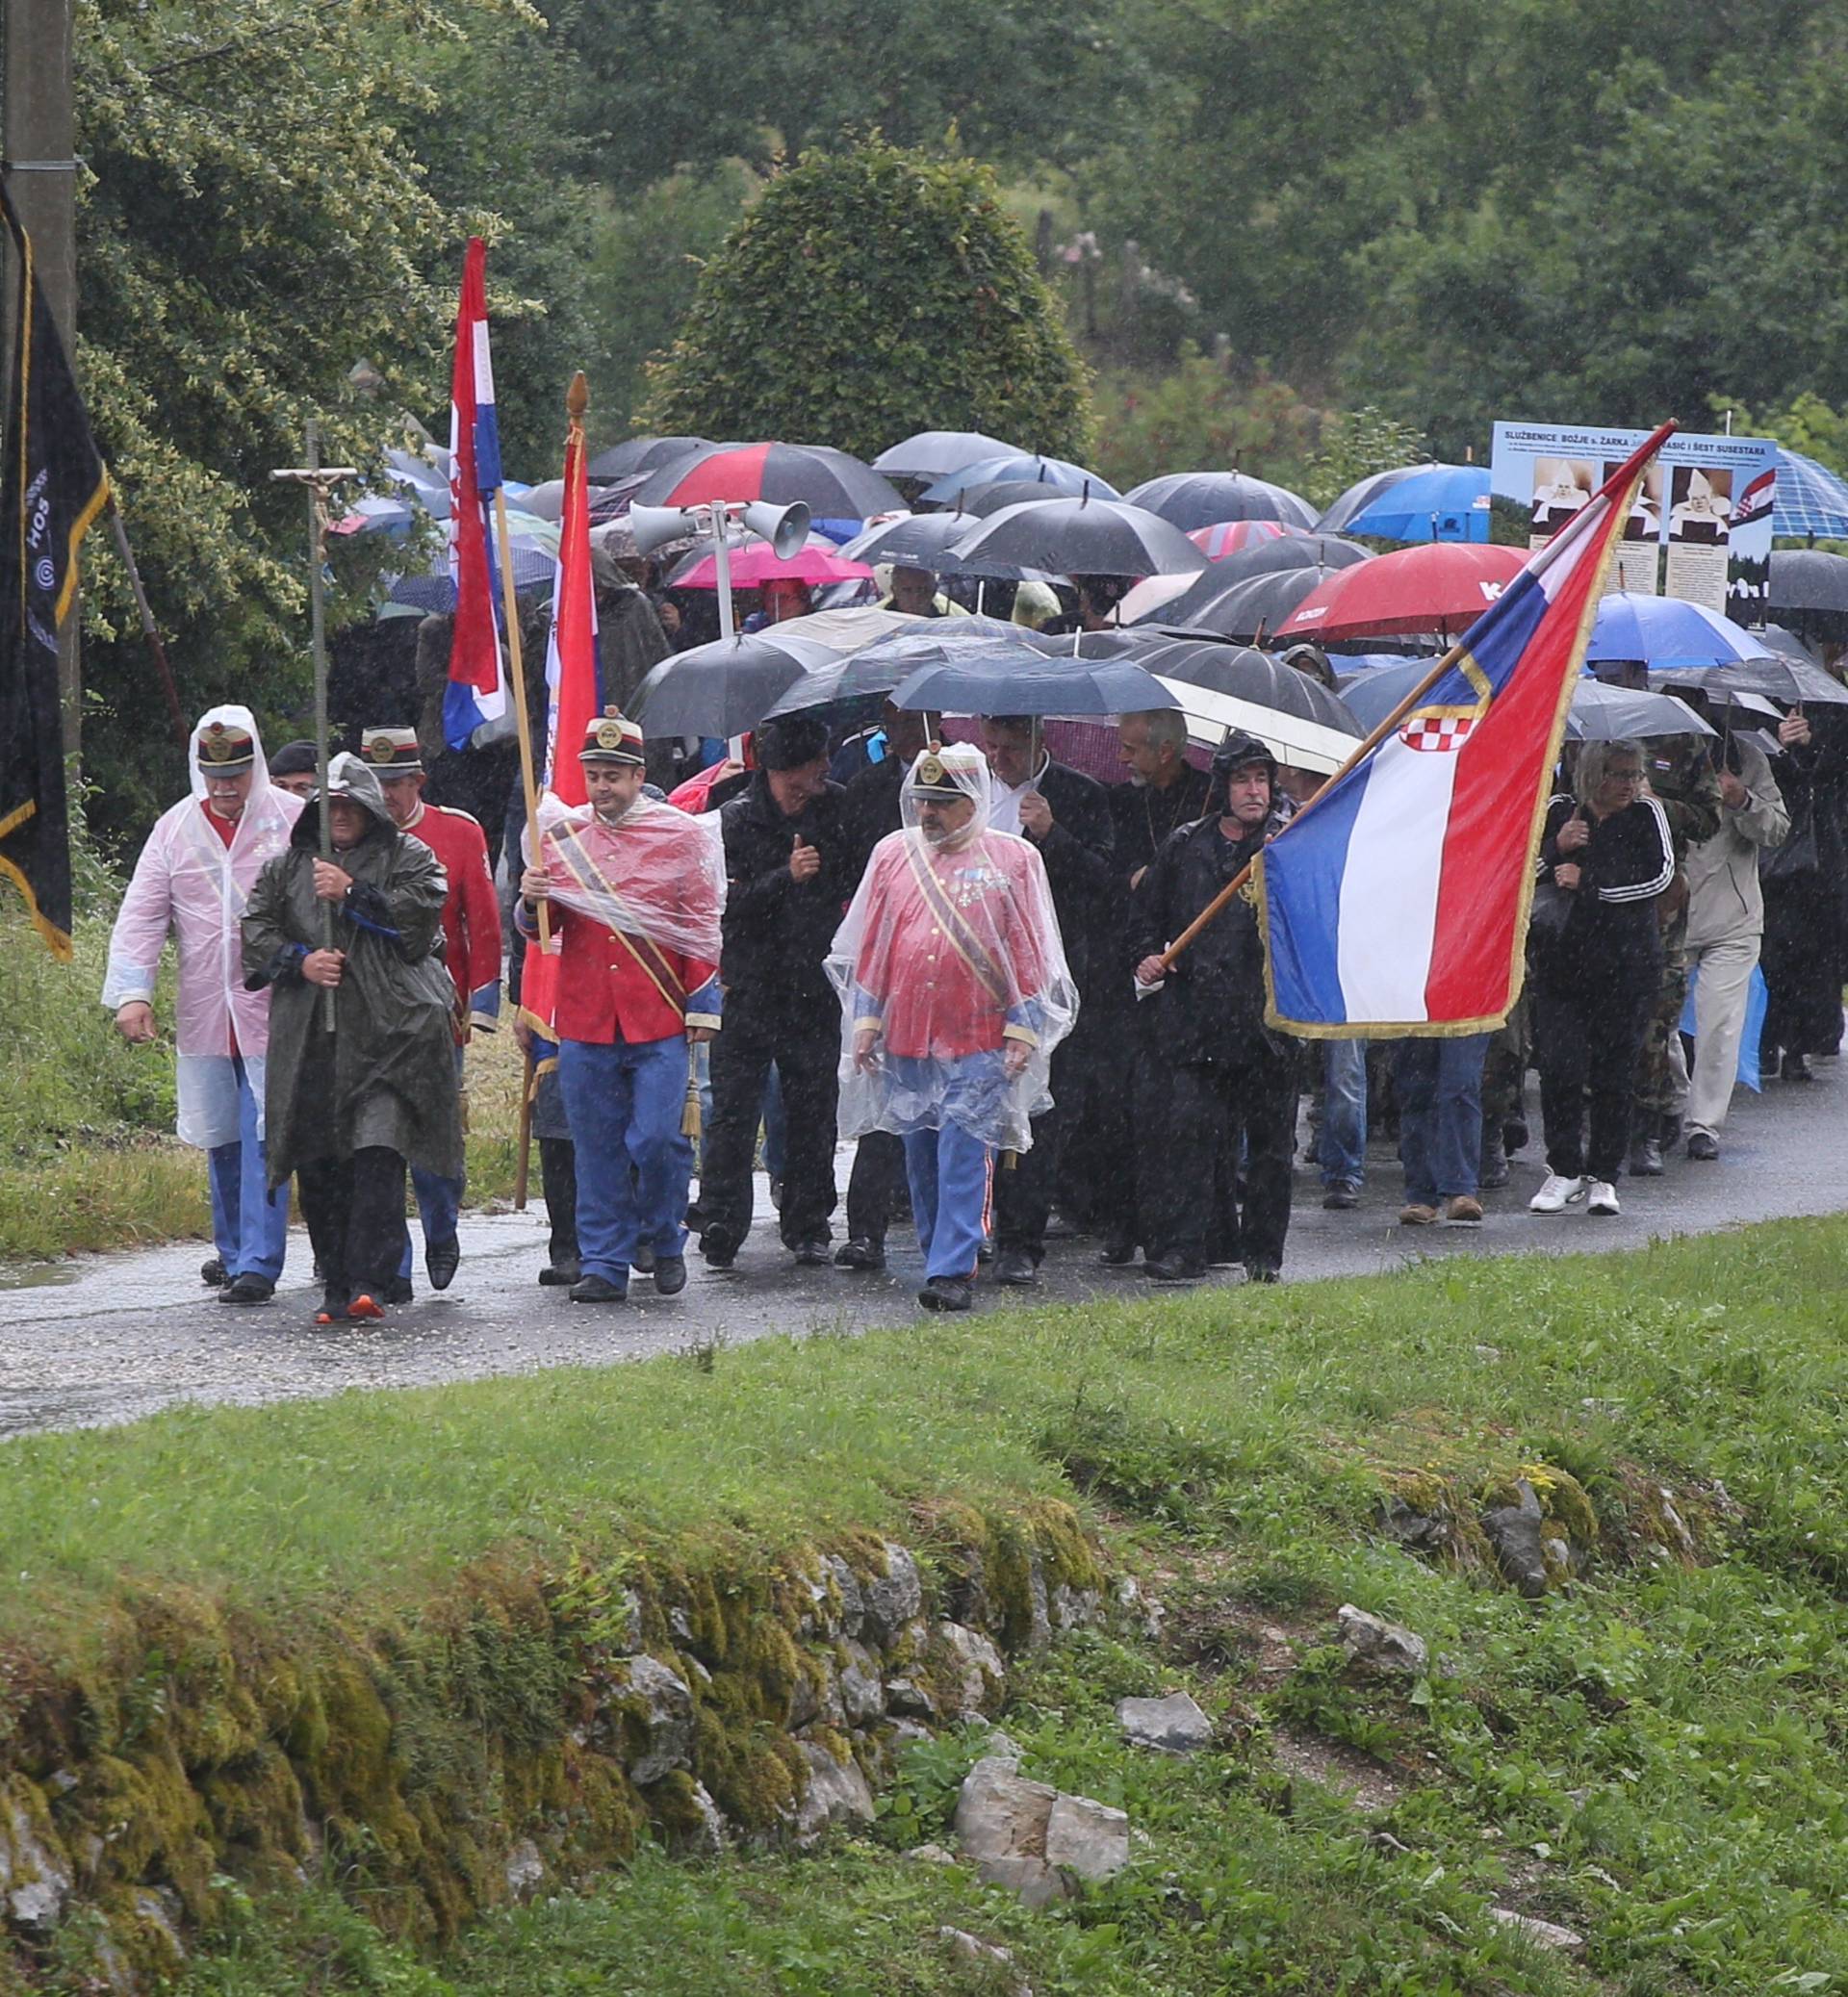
<point>106,1338</point>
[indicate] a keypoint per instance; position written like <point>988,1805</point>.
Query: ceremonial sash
<point>578,864</point>
<point>956,931</point>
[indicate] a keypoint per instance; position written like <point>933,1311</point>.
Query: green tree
<point>867,295</point>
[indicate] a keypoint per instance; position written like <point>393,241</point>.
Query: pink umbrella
<point>753,566</point>
<point>1227,536</point>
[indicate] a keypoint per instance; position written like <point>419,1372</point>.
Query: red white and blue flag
<point>1397,904</point>
<point>572,700</point>
<point>477,688</point>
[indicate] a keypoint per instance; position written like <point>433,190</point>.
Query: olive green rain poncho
<point>386,1074</point>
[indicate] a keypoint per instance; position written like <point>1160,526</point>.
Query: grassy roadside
<point>1650,1754</point>
<point>87,1158</point>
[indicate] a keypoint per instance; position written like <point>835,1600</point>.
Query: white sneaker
<point>1556,1194</point>
<point>1603,1199</point>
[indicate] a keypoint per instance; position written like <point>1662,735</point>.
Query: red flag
<point>572,675</point>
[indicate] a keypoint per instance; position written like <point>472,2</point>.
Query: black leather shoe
<point>597,1290</point>
<point>1015,1267</point>
<point>248,1290</point>
<point>1175,1268</point>
<point>1514,1136</point>
<point>1492,1173</point>
<point>1646,1158</point>
<point>559,1275</point>
<point>859,1253</point>
<point>718,1248</point>
<point>1262,1272</point>
<point>947,1293</point>
<point>669,1272</point>
<point>644,1262</point>
<point>1796,1068</point>
<point>1704,1145</point>
<point>396,1290</point>
<point>1341,1198</point>
<point>441,1258</point>
<point>213,1273</point>
<point>1117,1253</point>
<point>813,1254</point>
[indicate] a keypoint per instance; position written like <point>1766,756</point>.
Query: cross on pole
<point>318,481</point>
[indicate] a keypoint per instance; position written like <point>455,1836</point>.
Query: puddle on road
<point>37,1275</point>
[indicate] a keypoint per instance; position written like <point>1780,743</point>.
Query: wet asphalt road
<point>104,1339</point>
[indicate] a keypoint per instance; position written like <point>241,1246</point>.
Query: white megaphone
<point>654,526</point>
<point>785,527</point>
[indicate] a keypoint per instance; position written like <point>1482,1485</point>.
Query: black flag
<point>52,486</point>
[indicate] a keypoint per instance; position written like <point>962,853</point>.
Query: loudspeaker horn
<point>654,526</point>
<point>785,527</point>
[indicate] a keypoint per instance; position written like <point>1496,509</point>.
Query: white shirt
<point>1004,800</point>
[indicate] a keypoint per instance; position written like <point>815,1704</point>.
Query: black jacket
<point>1612,932</point>
<point>869,807</point>
<point>1077,852</point>
<point>778,929</point>
<point>1212,1007</point>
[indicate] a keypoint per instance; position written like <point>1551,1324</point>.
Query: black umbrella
<point>1080,537</point>
<point>1806,579</point>
<point>1115,641</point>
<point>1251,675</point>
<point>935,454</point>
<point>1269,558</point>
<point>725,689</point>
<point>1261,602</point>
<point>1020,681</point>
<point>1190,499</point>
<point>1786,642</point>
<point>924,540</point>
<point>1599,713</point>
<point>982,501</point>
<point>642,454</point>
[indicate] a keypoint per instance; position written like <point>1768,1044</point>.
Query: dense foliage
<point>869,294</point>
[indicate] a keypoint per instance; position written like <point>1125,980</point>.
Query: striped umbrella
<point>1229,536</point>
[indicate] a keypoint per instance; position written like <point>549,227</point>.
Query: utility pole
<point>41,177</point>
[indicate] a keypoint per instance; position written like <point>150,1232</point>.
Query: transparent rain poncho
<point>189,885</point>
<point>950,955</point>
<point>656,872</point>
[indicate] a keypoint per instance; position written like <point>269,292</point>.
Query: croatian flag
<point>1397,903</point>
<point>573,700</point>
<point>477,688</point>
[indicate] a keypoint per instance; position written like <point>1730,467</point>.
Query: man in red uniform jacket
<point>635,891</point>
<point>471,949</point>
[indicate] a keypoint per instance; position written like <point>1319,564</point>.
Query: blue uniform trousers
<point>949,1173</point>
<point>624,1102</point>
<point>250,1225</point>
<point>439,1200</point>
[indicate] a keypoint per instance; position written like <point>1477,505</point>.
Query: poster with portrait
<point>1701,525</point>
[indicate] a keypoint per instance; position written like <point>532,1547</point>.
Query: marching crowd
<point>959,956</point>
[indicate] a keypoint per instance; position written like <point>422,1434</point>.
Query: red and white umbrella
<point>831,484</point>
<point>1229,536</point>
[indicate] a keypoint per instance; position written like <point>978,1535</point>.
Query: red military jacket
<point>471,911</point>
<point>604,995</point>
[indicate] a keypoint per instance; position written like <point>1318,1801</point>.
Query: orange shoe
<point>362,1306</point>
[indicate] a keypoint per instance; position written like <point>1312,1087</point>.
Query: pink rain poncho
<point>191,886</point>
<point>949,952</point>
<point>656,872</point>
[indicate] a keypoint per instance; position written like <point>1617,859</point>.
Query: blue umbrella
<point>533,569</point>
<point>1810,499</point>
<point>1415,502</point>
<point>1664,632</point>
<point>1067,478</point>
<point>1017,680</point>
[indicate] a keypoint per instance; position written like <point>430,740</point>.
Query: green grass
<point>1651,1755</point>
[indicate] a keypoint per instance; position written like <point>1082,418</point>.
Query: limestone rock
<point>931,1855</point>
<point>1039,1626</point>
<point>1074,1609</point>
<point>1173,1725</point>
<point>663,1705</point>
<point>852,1613</point>
<point>1087,1838</point>
<point>863,1693</point>
<point>836,1794</point>
<point>894,1598</point>
<point>35,1875</point>
<point>983,1670</point>
<point>525,1869</point>
<point>998,1746</point>
<point>711,1837</point>
<point>1378,1645</point>
<point>1514,1531</point>
<point>1549,1934</point>
<point>974,1947</point>
<point>1143,1610</point>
